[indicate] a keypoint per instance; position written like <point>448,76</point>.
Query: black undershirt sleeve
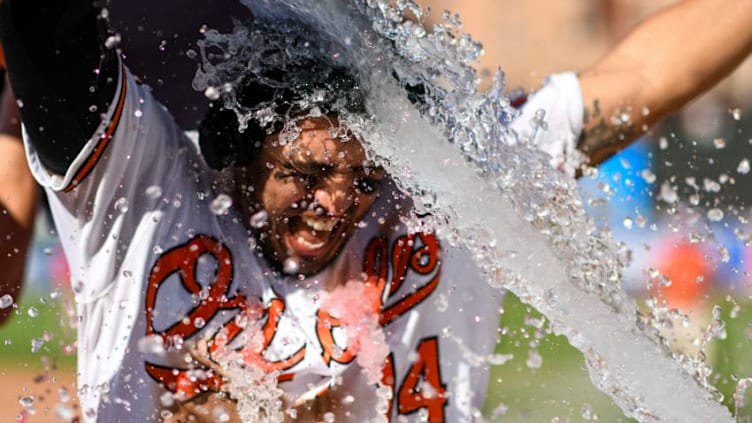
<point>61,73</point>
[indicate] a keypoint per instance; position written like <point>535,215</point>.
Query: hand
<point>208,407</point>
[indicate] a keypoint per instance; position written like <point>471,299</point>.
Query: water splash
<point>6,301</point>
<point>483,186</point>
<point>356,305</point>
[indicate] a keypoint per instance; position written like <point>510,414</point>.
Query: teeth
<point>311,245</point>
<point>320,224</point>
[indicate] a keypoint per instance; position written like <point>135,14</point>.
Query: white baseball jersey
<point>150,260</point>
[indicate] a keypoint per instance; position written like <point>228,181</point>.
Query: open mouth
<point>311,235</point>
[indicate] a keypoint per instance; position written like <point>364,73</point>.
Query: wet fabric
<point>149,257</point>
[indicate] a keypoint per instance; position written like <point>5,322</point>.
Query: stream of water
<point>484,187</point>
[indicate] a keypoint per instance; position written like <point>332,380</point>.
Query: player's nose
<point>336,196</point>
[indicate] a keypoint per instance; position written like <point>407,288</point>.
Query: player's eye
<point>306,179</point>
<point>366,185</point>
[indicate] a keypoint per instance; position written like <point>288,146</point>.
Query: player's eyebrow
<point>307,166</point>
<point>368,169</point>
<point>310,166</point>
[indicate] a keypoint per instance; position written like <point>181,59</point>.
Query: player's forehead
<point>321,143</point>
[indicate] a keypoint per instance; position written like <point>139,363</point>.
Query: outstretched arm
<point>60,71</point>
<point>670,58</point>
<point>18,195</point>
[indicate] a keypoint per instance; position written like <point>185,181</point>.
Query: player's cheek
<point>278,197</point>
<point>362,204</point>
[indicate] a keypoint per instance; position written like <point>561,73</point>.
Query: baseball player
<point>296,292</point>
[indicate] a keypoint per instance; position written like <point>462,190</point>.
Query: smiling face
<point>314,189</point>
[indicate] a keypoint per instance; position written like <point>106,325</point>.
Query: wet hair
<point>221,140</point>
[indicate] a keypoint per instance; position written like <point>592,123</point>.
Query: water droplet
<point>724,253</point>
<point>628,222</point>
<point>648,176</point>
<point>151,344</point>
<point>199,322</point>
<point>259,219</point>
<point>500,410</point>
<point>26,402</point>
<point>112,41</point>
<point>121,205</point>
<point>743,167</point>
<point>290,266</point>
<point>668,193</point>
<point>663,143</point>
<point>641,221</point>
<point>347,400</point>
<point>736,113</point>
<point>221,414</point>
<point>36,344</point>
<point>534,359</point>
<point>191,53</point>
<point>63,394</point>
<point>221,204</point>
<point>719,143</point>
<point>212,93</point>
<point>586,411</point>
<point>153,192</point>
<point>539,120</point>
<point>665,281</point>
<point>715,215</point>
<point>56,293</point>
<point>32,312</point>
<point>441,303</point>
<point>64,413</point>
<point>167,399</point>
<point>6,301</point>
<point>138,113</point>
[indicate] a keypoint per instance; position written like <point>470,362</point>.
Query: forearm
<point>18,196</point>
<point>667,60</point>
<point>61,74</point>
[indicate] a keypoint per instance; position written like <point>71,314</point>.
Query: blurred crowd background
<point>678,200</point>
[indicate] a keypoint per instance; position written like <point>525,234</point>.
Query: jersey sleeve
<point>97,148</point>
<point>551,120</point>
<point>133,170</point>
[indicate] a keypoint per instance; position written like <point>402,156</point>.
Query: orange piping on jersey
<point>255,357</point>
<point>406,304</point>
<point>325,325</point>
<point>387,379</point>
<point>184,381</point>
<point>425,369</point>
<point>104,141</point>
<point>407,255</point>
